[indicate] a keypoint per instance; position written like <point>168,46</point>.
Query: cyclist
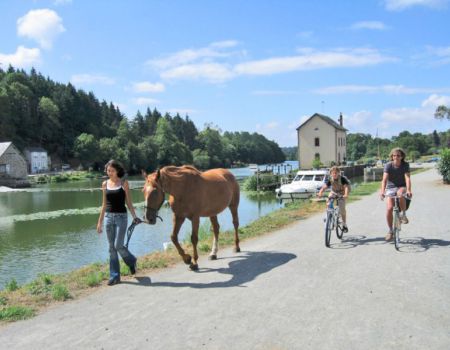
<point>339,185</point>
<point>396,182</point>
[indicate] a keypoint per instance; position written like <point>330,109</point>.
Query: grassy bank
<point>21,302</point>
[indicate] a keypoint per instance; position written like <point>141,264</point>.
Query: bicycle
<point>396,221</point>
<point>333,220</point>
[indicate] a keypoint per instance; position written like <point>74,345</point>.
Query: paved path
<point>284,291</point>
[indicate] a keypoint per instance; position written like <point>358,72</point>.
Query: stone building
<point>13,166</point>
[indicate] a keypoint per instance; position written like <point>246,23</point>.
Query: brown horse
<point>193,194</point>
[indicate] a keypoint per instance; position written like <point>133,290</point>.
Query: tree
<point>86,148</point>
<point>48,117</point>
<point>170,150</point>
<point>442,112</point>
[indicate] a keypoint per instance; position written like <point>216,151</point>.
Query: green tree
<point>170,150</point>
<point>48,117</point>
<point>442,112</point>
<point>86,148</point>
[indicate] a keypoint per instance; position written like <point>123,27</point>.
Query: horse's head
<point>154,197</point>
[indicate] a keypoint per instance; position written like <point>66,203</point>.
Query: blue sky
<point>256,65</point>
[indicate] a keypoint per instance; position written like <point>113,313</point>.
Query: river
<point>52,228</point>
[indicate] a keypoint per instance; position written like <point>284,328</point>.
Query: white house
<point>37,159</point>
<point>320,137</point>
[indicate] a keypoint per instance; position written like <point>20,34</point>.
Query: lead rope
<point>130,231</point>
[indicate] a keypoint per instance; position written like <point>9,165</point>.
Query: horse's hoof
<point>193,267</point>
<point>213,257</point>
<point>187,259</point>
<point>237,250</point>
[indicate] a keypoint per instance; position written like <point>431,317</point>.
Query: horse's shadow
<point>245,268</point>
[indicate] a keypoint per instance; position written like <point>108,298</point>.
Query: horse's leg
<point>234,214</point>
<point>177,222</point>
<point>194,239</point>
<point>215,247</point>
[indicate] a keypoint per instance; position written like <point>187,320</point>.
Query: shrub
<point>15,313</point>
<point>12,285</point>
<point>444,165</point>
<point>60,292</point>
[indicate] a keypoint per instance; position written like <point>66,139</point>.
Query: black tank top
<point>115,200</point>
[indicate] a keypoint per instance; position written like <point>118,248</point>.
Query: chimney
<point>341,120</point>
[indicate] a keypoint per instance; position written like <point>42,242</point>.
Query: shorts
<point>391,192</point>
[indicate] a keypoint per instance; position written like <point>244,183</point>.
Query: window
<point>2,168</point>
<point>317,142</point>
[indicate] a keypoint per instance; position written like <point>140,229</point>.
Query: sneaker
<point>389,237</point>
<point>113,281</point>
<point>345,228</point>
<point>404,219</point>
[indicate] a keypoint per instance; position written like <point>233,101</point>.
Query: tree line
<point>73,125</point>
<point>365,148</point>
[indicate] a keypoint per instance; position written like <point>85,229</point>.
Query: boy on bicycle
<point>396,182</point>
<point>340,185</point>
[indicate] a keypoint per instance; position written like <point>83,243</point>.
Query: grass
<point>21,302</point>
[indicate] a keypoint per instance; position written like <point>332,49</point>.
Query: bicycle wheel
<point>396,225</point>
<point>328,228</point>
<point>339,228</point>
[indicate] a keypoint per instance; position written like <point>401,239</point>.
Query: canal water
<point>52,228</point>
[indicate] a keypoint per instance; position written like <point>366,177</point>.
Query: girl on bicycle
<point>396,182</point>
<point>339,185</point>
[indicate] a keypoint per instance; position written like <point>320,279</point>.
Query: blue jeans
<point>116,226</point>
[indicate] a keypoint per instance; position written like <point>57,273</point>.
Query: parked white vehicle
<point>304,185</point>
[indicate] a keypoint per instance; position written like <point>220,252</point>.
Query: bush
<point>60,292</point>
<point>12,285</point>
<point>444,165</point>
<point>15,313</point>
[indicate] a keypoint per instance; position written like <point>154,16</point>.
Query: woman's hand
<point>100,227</point>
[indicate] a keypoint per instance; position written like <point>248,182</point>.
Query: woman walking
<point>116,194</point>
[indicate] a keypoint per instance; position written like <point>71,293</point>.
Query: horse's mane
<point>179,172</point>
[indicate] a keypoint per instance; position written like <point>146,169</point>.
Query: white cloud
<point>42,25</point>
<point>185,57</point>
<point>145,86</point>
<point>310,60</point>
<point>386,89</point>
<point>359,122</point>
<point>206,63</point>
<point>91,79</point>
<point>435,101</point>
<point>414,119</point>
<point>372,25</point>
<point>142,101</point>
<point>212,72</point>
<point>442,54</point>
<point>400,5</point>
<point>22,58</point>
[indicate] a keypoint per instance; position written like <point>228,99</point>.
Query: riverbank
<point>21,302</point>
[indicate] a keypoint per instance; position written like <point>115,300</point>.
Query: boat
<point>304,185</point>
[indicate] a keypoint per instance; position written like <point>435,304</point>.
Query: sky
<point>260,66</point>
